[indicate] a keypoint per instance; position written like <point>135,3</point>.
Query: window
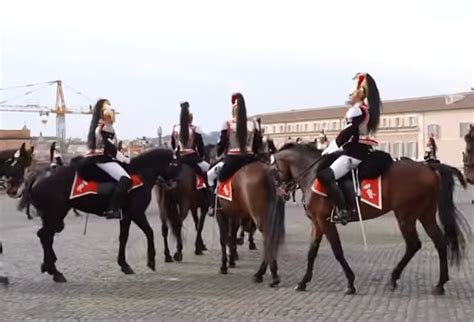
<point>281,128</point>
<point>412,121</point>
<point>396,150</point>
<point>324,126</point>
<point>434,130</point>
<point>297,127</point>
<point>397,122</point>
<point>464,128</point>
<point>335,125</point>
<point>411,150</point>
<point>384,122</point>
<point>274,129</point>
<point>306,127</point>
<point>288,128</point>
<point>317,126</point>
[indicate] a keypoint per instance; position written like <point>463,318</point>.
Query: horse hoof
<point>252,247</point>
<point>198,252</point>
<point>127,270</point>
<point>152,266</point>
<point>4,280</point>
<point>236,256</point>
<point>223,270</point>
<point>240,241</point>
<point>178,257</point>
<point>258,278</point>
<point>393,285</point>
<point>232,265</point>
<point>438,290</point>
<point>301,287</point>
<point>203,247</point>
<point>43,268</point>
<point>350,290</point>
<point>275,283</point>
<point>168,259</point>
<point>59,278</point>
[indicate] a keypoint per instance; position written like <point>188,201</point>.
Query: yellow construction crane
<point>60,109</point>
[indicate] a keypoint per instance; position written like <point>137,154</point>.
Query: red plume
<point>234,98</point>
<point>360,79</point>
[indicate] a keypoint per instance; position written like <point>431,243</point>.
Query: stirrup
<point>337,218</point>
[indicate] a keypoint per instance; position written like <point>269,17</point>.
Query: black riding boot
<point>120,192</point>
<point>327,178</point>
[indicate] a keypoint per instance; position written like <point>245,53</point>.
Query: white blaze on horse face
<point>272,159</point>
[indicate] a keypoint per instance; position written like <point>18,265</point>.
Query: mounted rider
<point>362,118</point>
<point>187,139</point>
<point>103,152</point>
<point>55,156</point>
<point>267,147</point>
<point>431,149</point>
<point>239,141</point>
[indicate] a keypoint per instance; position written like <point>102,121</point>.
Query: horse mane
<point>157,153</point>
<point>7,154</point>
<point>302,147</point>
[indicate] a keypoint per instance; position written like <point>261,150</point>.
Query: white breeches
<point>343,165</point>
<point>204,166</point>
<point>213,173</point>
<point>114,170</point>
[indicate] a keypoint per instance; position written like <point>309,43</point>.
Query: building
<point>13,139</point>
<point>405,125</point>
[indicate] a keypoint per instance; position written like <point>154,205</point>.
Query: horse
<point>51,196</point>
<point>468,155</point>
<point>414,191</point>
<point>175,202</point>
<point>253,197</point>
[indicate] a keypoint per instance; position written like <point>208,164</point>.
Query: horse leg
<point>199,244</point>
<point>142,222</point>
<point>258,277</point>
<point>234,227</point>
<point>177,227</point>
<point>164,233</point>
<point>432,229</point>
<point>333,237</point>
<point>28,214</point>
<point>413,244</point>
<point>253,228</point>
<point>274,271</point>
<point>223,223</point>
<point>123,238</point>
<point>46,236</point>
<point>240,240</point>
<point>312,253</point>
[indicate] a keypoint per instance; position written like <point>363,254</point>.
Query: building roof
<point>407,105</point>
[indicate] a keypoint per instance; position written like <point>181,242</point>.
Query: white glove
<point>120,157</point>
<point>331,148</point>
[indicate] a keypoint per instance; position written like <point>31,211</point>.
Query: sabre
<point>356,190</point>
<point>85,224</point>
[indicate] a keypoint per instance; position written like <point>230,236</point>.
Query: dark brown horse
<point>414,191</point>
<point>468,155</point>
<point>254,197</point>
<point>175,202</point>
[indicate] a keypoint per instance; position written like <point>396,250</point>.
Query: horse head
<point>20,162</point>
<point>156,163</point>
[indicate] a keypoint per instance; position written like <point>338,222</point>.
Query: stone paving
<point>193,289</point>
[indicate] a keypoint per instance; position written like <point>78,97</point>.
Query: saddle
<point>81,187</point>
<point>368,177</point>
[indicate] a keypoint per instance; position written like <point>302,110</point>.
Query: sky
<point>148,56</point>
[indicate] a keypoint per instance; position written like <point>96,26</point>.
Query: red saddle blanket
<point>81,187</point>
<point>200,184</point>
<point>370,191</point>
<point>224,189</point>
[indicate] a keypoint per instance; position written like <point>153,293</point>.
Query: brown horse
<point>254,197</point>
<point>175,203</point>
<point>468,155</point>
<point>414,191</point>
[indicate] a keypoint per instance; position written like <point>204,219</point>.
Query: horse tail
<point>457,230</point>
<point>274,225</point>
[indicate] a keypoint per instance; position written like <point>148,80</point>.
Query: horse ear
<point>22,148</point>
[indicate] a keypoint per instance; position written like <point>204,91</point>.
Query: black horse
<point>51,197</point>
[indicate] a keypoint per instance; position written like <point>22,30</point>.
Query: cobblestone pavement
<point>193,289</point>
